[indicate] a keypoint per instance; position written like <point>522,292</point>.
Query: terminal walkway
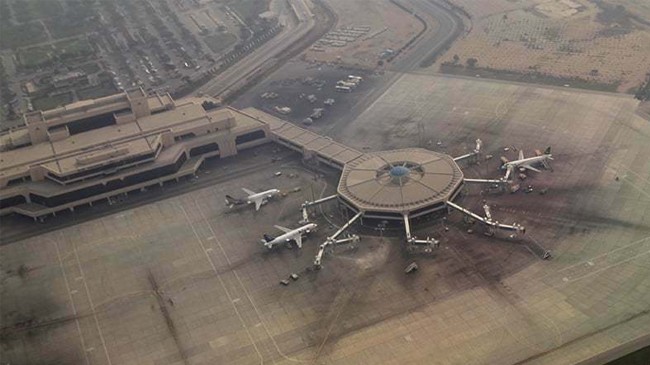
<point>310,144</point>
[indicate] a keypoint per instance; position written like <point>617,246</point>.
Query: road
<point>243,69</point>
<point>443,26</point>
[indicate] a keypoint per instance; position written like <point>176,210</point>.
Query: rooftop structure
<point>412,181</point>
<point>389,186</point>
<point>94,149</point>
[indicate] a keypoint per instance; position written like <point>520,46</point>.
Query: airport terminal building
<point>94,149</point>
<point>97,149</point>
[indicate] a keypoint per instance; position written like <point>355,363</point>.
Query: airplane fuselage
<point>291,235</point>
<point>265,196</point>
<point>527,161</point>
<point>258,199</point>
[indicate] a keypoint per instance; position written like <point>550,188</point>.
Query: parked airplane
<point>526,163</point>
<point>288,235</point>
<point>258,199</point>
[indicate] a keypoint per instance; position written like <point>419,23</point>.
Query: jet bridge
<point>474,154</point>
<point>333,239</point>
<point>305,205</point>
<point>413,240</point>
<point>487,220</point>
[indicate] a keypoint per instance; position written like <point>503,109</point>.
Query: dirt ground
<point>389,28</point>
<point>581,39</point>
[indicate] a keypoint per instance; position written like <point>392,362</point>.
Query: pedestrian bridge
<point>310,144</point>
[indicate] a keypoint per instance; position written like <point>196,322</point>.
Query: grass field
<point>35,56</point>
<point>90,68</point>
<point>67,27</point>
<point>28,10</point>
<point>41,55</point>
<point>104,89</point>
<point>51,102</point>
<point>640,8</point>
<point>14,36</point>
<point>73,48</point>
<point>219,42</point>
<point>248,8</point>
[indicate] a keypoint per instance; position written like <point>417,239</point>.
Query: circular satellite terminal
<point>403,181</point>
<point>399,171</point>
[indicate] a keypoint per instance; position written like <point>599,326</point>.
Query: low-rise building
<point>95,149</point>
<point>69,79</point>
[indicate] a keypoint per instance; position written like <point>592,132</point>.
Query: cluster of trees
<point>643,93</point>
<point>469,63</point>
<point>6,95</point>
<point>184,32</point>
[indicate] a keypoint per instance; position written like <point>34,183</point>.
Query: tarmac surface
<point>185,280</point>
<point>592,296</point>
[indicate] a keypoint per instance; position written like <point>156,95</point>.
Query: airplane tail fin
<point>230,201</point>
<point>268,238</point>
<point>547,151</point>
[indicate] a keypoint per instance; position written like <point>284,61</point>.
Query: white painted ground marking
<point>90,300</point>
<point>601,255</point>
<point>74,308</point>
<point>223,285</point>
<point>611,266</point>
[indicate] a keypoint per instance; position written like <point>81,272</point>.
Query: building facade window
<point>249,137</point>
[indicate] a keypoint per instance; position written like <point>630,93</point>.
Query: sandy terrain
<point>389,28</point>
<point>560,38</point>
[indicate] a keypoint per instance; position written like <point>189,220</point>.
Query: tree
<point>456,58</point>
<point>643,93</point>
<point>471,62</point>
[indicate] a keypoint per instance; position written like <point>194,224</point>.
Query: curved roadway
<point>238,73</point>
<point>443,26</point>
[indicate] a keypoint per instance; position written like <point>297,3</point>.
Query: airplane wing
<point>298,239</point>
<point>258,203</point>
<point>283,229</point>
<point>521,154</point>
<point>249,192</point>
<point>530,168</point>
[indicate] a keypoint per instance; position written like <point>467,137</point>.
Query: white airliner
<point>258,199</point>
<point>526,163</point>
<point>288,235</point>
